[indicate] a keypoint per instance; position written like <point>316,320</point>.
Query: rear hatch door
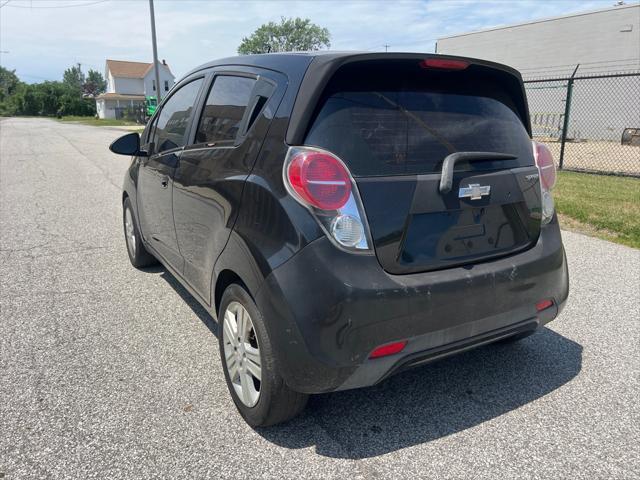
<point>395,122</point>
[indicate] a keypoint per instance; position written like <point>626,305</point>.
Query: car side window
<point>224,109</point>
<point>149,137</point>
<point>171,124</point>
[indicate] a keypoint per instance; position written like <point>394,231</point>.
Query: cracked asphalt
<point>111,372</point>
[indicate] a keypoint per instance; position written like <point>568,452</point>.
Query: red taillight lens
<point>543,305</point>
<point>388,349</point>
<point>320,179</point>
<point>444,64</point>
<point>546,165</point>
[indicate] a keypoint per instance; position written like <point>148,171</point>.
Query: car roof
<point>289,62</point>
<point>276,58</point>
<point>292,62</point>
<point>309,72</point>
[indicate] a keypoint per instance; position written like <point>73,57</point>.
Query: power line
<point>54,6</point>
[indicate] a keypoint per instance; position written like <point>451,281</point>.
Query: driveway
<point>111,372</point>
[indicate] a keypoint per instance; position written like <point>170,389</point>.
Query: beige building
<point>602,42</point>
<point>598,40</point>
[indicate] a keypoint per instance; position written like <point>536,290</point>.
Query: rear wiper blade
<point>446,180</point>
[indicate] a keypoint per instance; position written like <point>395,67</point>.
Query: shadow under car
<point>425,403</point>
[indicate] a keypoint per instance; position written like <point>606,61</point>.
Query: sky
<point>41,38</point>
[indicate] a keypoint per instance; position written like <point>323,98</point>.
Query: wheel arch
<point>236,264</point>
<point>224,279</point>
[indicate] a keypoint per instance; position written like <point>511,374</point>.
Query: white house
<point>128,83</point>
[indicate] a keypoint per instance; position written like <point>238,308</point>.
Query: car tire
<point>275,402</point>
<point>138,254</point>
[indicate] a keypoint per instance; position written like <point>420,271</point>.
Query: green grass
<point>98,122</point>
<point>601,205</point>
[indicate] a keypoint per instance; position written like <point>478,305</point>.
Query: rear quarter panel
<point>270,226</point>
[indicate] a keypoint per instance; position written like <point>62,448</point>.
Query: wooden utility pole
<point>155,51</point>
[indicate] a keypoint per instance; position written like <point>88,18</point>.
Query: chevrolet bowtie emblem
<point>474,191</point>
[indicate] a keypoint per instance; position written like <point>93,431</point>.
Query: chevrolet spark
<point>346,216</point>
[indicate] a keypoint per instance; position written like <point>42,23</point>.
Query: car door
<point>226,138</point>
<point>166,141</point>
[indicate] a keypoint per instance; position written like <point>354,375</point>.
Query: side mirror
<point>128,144</point>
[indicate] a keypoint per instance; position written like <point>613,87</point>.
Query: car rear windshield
<point>408,120</point>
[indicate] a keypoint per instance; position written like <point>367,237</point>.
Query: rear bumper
<point>327,310</point>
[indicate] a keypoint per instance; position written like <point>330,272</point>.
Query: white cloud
<point>44,41</point>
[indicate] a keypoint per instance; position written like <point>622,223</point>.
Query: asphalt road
<point>111,372</point>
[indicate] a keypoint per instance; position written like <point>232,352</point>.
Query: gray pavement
<point>111,372</point>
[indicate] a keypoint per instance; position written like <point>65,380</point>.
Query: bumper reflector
<point>543,305</point>
<point>388,349</point>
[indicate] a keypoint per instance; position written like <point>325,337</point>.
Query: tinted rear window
<point>408,122</point>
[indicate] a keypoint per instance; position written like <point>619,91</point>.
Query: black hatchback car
<point>346,216</point>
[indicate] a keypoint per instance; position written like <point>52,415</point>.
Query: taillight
<point>547,171</point>
<point>444,64</point>
<point>319,180</point>
<point>546,165</point>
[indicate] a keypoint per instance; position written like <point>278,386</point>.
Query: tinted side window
<point>174,117</point>
<point>224,109</point>
<point>149,131</point>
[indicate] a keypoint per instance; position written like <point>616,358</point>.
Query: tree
<point>10,85</point>
<point>290,35</point>
<point>48,98</point>
<point>74,78</point>
<point>9,82</point>
<point>26,101</point>
<point>95,84</point>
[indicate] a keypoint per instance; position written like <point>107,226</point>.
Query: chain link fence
<point>590,122</point>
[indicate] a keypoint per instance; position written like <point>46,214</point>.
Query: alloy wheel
<point>130,232</point>
<point>242,353</point>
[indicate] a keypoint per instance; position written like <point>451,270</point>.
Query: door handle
<point>446,180</point>
<point>164,182</point>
